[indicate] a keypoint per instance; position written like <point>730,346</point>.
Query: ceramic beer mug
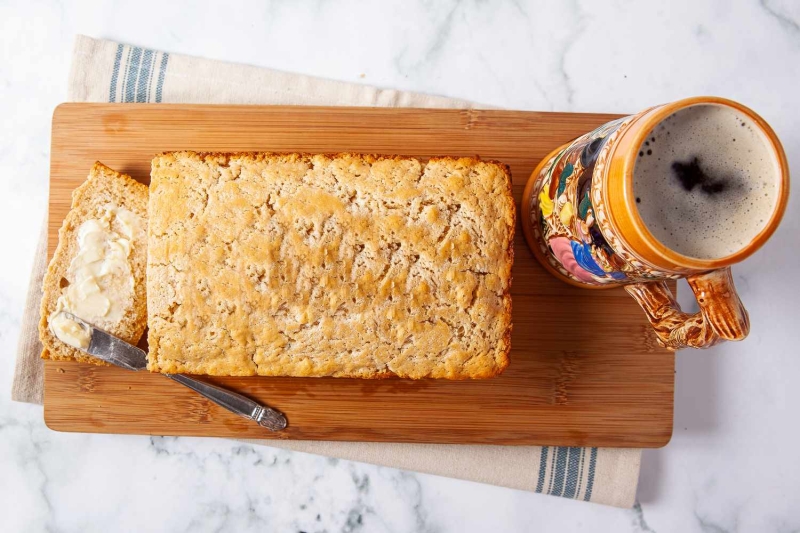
<point>685,189</point>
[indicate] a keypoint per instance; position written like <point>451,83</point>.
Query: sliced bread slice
<point>98,269</point>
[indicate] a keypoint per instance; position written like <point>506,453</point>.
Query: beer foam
<point>706,181</point>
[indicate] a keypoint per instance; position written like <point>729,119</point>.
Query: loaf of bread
<point>99,266</point>
<point>341,265</point>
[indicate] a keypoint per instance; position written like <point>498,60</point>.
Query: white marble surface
<point>732,464</point>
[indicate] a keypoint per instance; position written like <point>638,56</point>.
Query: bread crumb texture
<point>104,188</point>
<point>341,265</point>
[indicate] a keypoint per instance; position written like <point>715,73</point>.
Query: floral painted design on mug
<point>567,216</point>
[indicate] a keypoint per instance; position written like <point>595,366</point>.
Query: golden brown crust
<point>347,265</point>
<point>104,186</point>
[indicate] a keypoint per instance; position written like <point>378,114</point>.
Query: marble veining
<point>776,10</point>
<point>731,465</point>
<point>638,520</point>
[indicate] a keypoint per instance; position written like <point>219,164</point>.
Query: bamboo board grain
<point>585,368</point>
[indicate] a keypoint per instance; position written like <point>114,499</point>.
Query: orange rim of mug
<point>617,191</point>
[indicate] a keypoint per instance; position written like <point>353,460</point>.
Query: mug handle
<point>721,317</point>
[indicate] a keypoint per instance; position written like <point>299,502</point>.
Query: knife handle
<point>234,402</point>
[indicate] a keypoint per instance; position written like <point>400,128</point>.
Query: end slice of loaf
<point>343,265</point>
<point>104,187</point>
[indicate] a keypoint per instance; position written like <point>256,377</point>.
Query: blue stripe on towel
<point>144,76</point>
<point>590,480</point>
<point>561,466</point>
<point>161,72</point>
<point>112,92</point>
<point>573,464</point>
<point>580,473</point>
<point>133,74</point>
<point>552,470</point>
<point>125,74</point>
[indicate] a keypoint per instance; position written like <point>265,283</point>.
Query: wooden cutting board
<point>585,368</point>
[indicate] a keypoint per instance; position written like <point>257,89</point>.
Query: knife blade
<point>111,349</point>
<point>116,351</point>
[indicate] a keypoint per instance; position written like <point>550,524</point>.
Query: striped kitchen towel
<point>104,71</point>
<point>140,80</point>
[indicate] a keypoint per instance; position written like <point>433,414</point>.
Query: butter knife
<point>113,350</point>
